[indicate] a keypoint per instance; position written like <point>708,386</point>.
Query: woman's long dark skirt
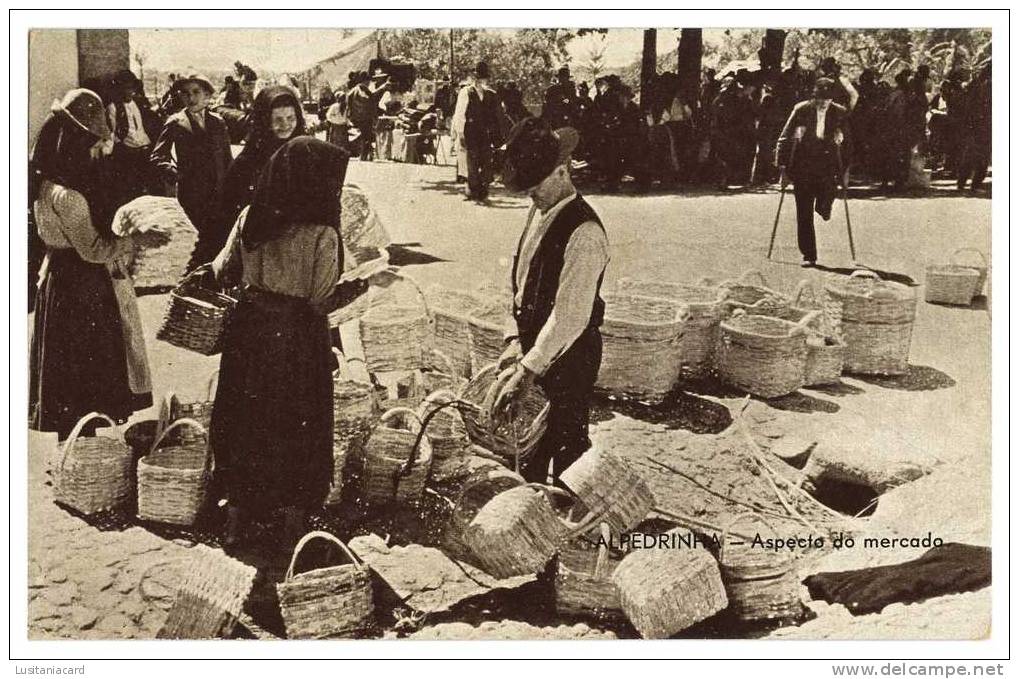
<point>77,360</point>
<point>273,414</point>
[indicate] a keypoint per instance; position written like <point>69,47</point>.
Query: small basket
<point>761,584</point>
<point>172,481</point>
<point>763,355</point>
<point>583,582</point>
<point>875,320</point>
<point>512,441</point>
<point>664,591</point>
<point>353,410</point>
<point>825,358</point>
<point>396,460</point>
<point>705,307</point>
<point>641,346</point>
<point>981,268</point>
<point>200,411</point>
<point>95,471</point>
<point>951,284</point>
<point>753,299</point>
<point>447,434</point>
<point>395,337</point>
<point>196,318</point>
<point>329,602</point>
<point>610,487</point>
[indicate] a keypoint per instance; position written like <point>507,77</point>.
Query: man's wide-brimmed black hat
<point>481,70</point>
<point>824,88</point>
<point>533,151</point>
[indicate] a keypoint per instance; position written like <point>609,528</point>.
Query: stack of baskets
<point>363,234</point>
<point>487,329</point>
<point>761,584</point>
<point>763,355</point>
<point>951,284</point>
<point>196,317</point>
<point>641,346</point>
<point>353,410</point>
<point>705,307</point>
<point>446,433</point>
<point>166,240</point>
<point>611,488</point>
<point>875,320</point>
<point>326,602</point>
<point>395,337</point>
<point>583,582</point>
<point>395,469</point>
<point>451,313</point>
<point>95,471</point>
<point>173,480</point>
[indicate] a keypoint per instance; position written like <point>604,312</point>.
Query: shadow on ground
<point>917,378</point>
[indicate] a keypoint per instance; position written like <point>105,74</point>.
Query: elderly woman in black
<point>272,417</point>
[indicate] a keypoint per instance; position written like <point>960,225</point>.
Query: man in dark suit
<point>811,152</point>
<point>477,110</point>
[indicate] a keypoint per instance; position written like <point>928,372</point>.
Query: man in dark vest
<point>554,339</point>
<point>476,120</point>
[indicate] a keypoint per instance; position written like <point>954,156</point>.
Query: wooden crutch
<point>798,134</point>
<point>845,201</point>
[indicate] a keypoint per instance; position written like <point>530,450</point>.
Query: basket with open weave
<point>664,591</point>
<point>210,597</point>
<point>583,581</point>
<point>447,434</point>
<point>761,584</point>
<point>94,474</point>
<point>196,317</point>
<point>610,487</point>
<point>704,305</point>
<point>753,298</point>
<point>397,459</point>
<point>950,284</point>
<point>641,346</point>
<point>513,440</point>
<point>875,320</point>
<point>173,480</point>
<point>395,337</point>
<point>762,355</point>
<point>353,410</point>
<point>328,601</point>
<point>982,268</point>
<point>480,486</point>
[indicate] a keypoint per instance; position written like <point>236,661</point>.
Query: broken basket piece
<point>210,597</point>
<point>611,487</point>
<point>664,590</point>
<point>761,583</point>
<point>95,471</point>
<point>329,601</point>
<point>395,469</point>
<point>583,582</point>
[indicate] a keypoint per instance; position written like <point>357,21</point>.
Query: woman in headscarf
<point>79,357</point>
<point>276,118</point>
<point>272,417</point>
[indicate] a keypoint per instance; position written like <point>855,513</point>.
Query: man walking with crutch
<point>816,129</point>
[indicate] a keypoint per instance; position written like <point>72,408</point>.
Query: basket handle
<point>753,272</point>
<point>389,414</point>
<point>69,443</point>
<point>166,407</point>
<point>802,287</point>
<point>441,393</point>
<point>446,361</point>
<point>738,519</point>
<point>983,257</point>
<point>603,550</point>
<point>807,319</point>
<point>421,293</point>
<point>324,536</point>
<point>184,420</point>
<point>213,381</point>
<point>574,528</point>
<point>865,273</point>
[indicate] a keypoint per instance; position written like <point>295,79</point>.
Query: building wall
<point>52,70</point>
<point>102,52</point>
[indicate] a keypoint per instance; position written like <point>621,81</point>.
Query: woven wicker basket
<point>353,411</point>
<point>875,320</point>
<point>610,487</point>
<point>753,299</point>
<point>397,459</point>
<point>95,471</point>
<point>951,284</point>
<point>477,490</point>
<point>765,356</point>
<point>440,372</point>
<point>981,268</point>
<point>512,441</point>
<point>800,310</point>
<point>172,481</point>
<point>664,591</point>
<point>447,434</point>
<point>196,317</point>
<point>487,329</point>
<point>164,239</point>
<point>395,337</point>
<point>210,597</point>
<point>583,582</point>
<point>641,346</point>
<point>199,411</point>
<point>705,307</point>
<point>324,603</point>
<point>451,313</point>
<point>761,584</point>
<point>825,358</point>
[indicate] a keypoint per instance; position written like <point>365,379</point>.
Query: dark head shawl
<point>300,185</point>
<point>260,137</point>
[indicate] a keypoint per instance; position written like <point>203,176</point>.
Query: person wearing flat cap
<point>554,339</point>
<point>812,152</point>
<point>193,154</point>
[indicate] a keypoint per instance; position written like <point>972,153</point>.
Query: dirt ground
<point>940,409</point>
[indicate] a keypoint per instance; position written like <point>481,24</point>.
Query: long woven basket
<point>641,346</point>
<point>875,320</point>
<point>664,591</point>
<point>353,410</point>
<point>95,471</point>
<point>765,356</point>
<point>583,583</point>
<point>323,603</point>
<point>951,284</point>
<point>447,434</point>
<point>173,480</point>
<point>395,469</point>
<point>761,584</point>
<point>705,307</point>
<point>196,318</point>
<point>609,486</point>
<point>981,268</point>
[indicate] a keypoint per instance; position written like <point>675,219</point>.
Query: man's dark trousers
<point>479,171</point>
<point>812,194</point>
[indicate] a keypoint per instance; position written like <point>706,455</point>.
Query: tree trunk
<point>648,66</point>
<point>772,49</point>
<point>688,68</point>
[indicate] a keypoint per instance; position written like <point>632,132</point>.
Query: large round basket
<point>172,481</point>
<point>761,584</point>
<point>641,346</point>
<point>477,490</point>
<point>397,459</point>
<point>981,267</point>
<point>447,434</point>
<point>705,307</point>
<point>327,602</point>
<point>583,582</point>
<point>765,356</point>
<point>95,471</point>
<point>875,320</point>
<point>664,591</point>
<point>196,317</point>
<point>353,410</point>
<point>514,440</point>
<point>610,487</point>
<point>753,298</point>
<point>951,284</point>
<point>395,337</point>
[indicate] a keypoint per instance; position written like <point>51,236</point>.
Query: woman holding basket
<point>272,418</point>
